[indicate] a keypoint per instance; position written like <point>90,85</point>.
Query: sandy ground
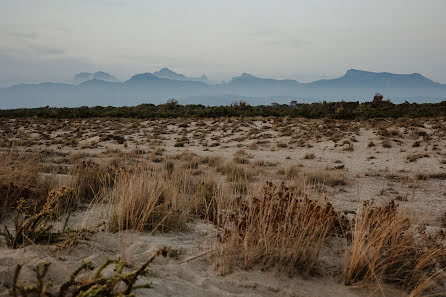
<point>380,172</point>
<point>170,276</point>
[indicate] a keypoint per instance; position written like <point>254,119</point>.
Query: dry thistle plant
<point>37,228</point>
<point>281,227</point>
<point>119,284</point>
<point>387,247</point>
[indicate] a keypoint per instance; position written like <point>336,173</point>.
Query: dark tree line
<point>378,108</point>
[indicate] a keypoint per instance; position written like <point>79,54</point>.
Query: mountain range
<point>169,74</point>
<point>84,76</point>
<point>101,88</point>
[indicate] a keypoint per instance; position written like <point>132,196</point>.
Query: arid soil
<point>346,162</point>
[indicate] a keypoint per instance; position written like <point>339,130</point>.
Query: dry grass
<point>309,156</point>
<point>88,180</point>
<point>279,227</point>
<point>287,228</point>
<point>235,173</point>
<point>292,172</point>
<point>145,199</point>
<point>19,178</point>
<point>414,157</point>
<point>386,247</point>
<point>325,177</point>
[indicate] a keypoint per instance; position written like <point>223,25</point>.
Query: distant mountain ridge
<point>104,89</point>
<point>250,80</point>
<point>360,78</point>
<point>169,74</point>
<point>100,75</point>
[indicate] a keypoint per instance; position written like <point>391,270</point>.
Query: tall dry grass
<point>89,179</point>
<point>387,247</point>
<point>159,197</point>
<point>19,178</point>
<point>145,199</point>
<point>278,227</point>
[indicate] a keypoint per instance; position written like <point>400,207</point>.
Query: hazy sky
<point>51,40</point>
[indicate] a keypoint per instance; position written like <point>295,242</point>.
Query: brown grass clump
<point>386,247</point>
<point>146,199</point>
<point>235,173</point>
<point>293,171</point>
<point>414,157</point>
<point>386,143</point>
<point>279,228</point>
<point>89,178</point>
<point>19,178</point>
<point>349,148</point>
<point>443,220</point>
<point>203,199</point>
<point>309,156</point>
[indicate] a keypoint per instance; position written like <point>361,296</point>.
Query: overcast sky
<point>51,40</point>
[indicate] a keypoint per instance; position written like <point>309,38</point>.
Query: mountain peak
<point>247,76</point>
<point>359,78</point>
<point>352,71</point>
<point>165,71</point>
<point>169,74</point>
<point>142,77</point>
<point>99,75</point>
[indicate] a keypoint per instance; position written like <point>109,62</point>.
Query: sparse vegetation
<point>212,194</point>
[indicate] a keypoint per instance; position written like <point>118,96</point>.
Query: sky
<point>51,40</point>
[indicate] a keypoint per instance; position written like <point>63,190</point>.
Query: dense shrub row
<point>171,109</point>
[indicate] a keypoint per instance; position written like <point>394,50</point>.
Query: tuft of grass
<point>144,199</point>
<point>241,160</point>
<point>414,157</point>
<point>19,179</point>
<point>387,247</point>
<point>235,173</point>
<point>416,144</point>
<point>324,177</point>
<point>349,148</point>
<point>386,144</point>
<point>293,171</point>
<point>309,156</point>
<point>279,228</point>
<point>89,178</point>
